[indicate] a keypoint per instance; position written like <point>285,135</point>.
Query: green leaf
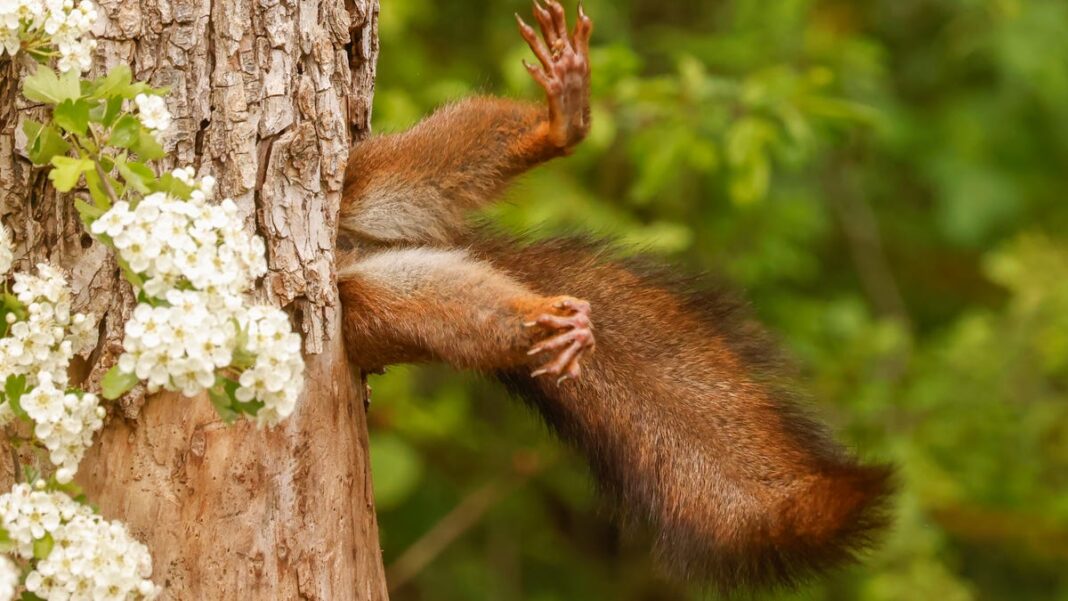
<point>71,489</point>
<point>238,407</point>
<point>242,358</point>
<point>30,474</point>
<point>96,190</point>
<point>137,175</point>
<point>43,546</point>
<point>66,171</point>
<point>28,596</point>
<point>126,133</point>
<point>105,113</point>
<point>119,84</point>
<point>88,212</point>
<point>32,129</point>
<point>14,388</point>
<point>6,544</point>
<point>44,86</point>
<point>222,397</point>
<point>44,142</point>
<point>116,383</point>
<point>72,115</point>
<point>248,408</point>
<point>12,302</point>
<point>172,185</point>
<point>115,84</point>
<point>147,147</point>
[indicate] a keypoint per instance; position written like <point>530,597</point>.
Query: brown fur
<point>688,427</point>
<point>680,410</point>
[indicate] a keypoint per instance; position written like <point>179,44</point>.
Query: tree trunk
<point>267,96</point>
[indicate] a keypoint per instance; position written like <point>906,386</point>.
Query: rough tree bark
<point>267,95</point>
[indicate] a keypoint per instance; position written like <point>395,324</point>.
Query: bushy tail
<point>689,430</point>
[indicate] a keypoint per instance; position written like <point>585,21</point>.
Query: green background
<point>886,182</point>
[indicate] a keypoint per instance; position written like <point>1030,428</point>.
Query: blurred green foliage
<point>885,179</point>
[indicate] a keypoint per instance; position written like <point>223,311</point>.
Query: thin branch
<point>861,229</point>
<point>423,551</point>
<point>105,182</point>
<point>455,523</point>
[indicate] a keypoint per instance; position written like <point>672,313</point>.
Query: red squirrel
<point>675,403</point>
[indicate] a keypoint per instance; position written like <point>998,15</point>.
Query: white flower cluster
<point>198,258</point>
<point>9,579</point>
<point>277,376</point>
<point>91,558</point>
<point>6,254</point>
<point>180,346</point>
<point>42,23</point>
<point>50,335</point>
<point>40,346</point>
<point>172,241</point>
<point>64,422</point>
<point>153,112</point>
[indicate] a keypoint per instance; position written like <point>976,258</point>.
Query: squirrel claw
<point>565,70</point>
<point>574,338</point>
<point>566,363</point>
<point>580,333</point>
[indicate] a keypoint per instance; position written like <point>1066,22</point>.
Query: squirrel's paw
<point>572,337</point>
<point>564,73</point>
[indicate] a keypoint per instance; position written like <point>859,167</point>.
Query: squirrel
<point>675,402</point>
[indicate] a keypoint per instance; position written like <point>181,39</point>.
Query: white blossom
<point>64,423</point>
<point>59,23</point>
<point>197,258</point>
<point>276,377</point>
<point>10,41</point>
<point>153,112</point>
<point>183,345</point>
<point>171,242</point>
<point>9,579</point>
<point>6,255</point>
<point>178,347</point>
<point>91,558</point>
<point>49,335</point>
<point>29,514</point>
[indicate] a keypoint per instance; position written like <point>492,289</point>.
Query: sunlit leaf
<point>45,86</point>
<point>43,142</point>
<point>66,171</point>
<point>72,115</point>
<point>116,383</point>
